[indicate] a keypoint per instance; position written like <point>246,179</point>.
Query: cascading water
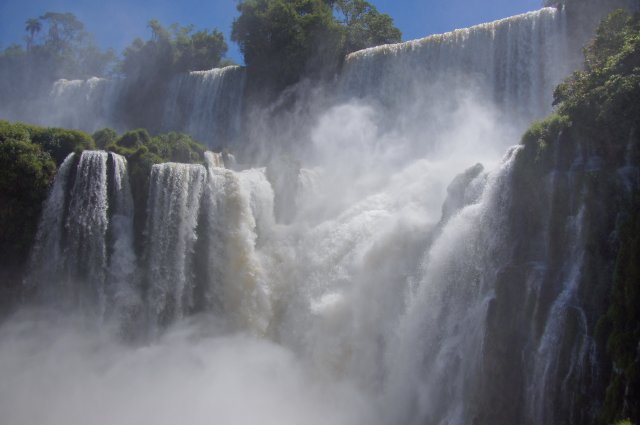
<point>516,62</point>
<point>239,211</point>
<point>435,363</point>
<point>46,260</point>
<point>88,105</point>
<point>122,258</point>
<point>174,200</point>
<point>72,256</point>
<point>86,228</point>
<point>206,104</point>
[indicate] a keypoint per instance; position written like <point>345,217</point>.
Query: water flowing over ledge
<point>516,62</point>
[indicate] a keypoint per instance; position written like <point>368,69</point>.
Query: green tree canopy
<point>173,50</point>
<point>32,26</point>
<point>285,40</point>
<point>26,173</point>
<point>149,66</point>
<point>365,26</point>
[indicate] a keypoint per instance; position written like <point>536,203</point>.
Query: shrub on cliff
<point>142,152</point>
<point>26,173</point>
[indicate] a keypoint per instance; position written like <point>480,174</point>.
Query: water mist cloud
<point>59,371</point>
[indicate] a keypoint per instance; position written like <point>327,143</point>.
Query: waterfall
<point>239,208</point>
<point>516,61</point>
<point>435,363</point>
<point>122,264</point>
<point>408,290</point>
<point>87,105</point>
<point>46,260</point>
<point>175,192</point>
<point>206,104</point>
<point>74,261</point>
<point>546,371</point>
<point>86,228</point>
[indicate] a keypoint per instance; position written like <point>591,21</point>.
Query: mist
<point>335,283</point>
<point>60,369</point>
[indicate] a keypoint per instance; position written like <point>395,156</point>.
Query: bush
<point>61,142</point>
<point>104,137</point>
<point>26,173</point>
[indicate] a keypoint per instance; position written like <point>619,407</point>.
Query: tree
<point>198,51</point>
<point>65,50</point>
<point>149,66</point>
<point>65,31</point>
<point>173,50</point>
<point>365,26</point>
<point>26,173</point>
<point>104,137</point>
<point>282,40</point>
<point>32,26</point>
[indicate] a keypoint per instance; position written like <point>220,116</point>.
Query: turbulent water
<point>374,302</point>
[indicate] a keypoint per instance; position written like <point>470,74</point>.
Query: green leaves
<point>173,50</point>
<point>26,172</point>
<point>284,41</point>
<point>614,54</point>
<point>365,26</point>
<point>281,38</point>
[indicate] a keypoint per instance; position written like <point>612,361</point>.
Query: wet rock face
<point>461,192</point>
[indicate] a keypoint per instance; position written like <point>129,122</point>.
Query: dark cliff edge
<point>574,273</point>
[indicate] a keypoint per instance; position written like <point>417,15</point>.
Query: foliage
<point>57,46</point>
<point>26,172</point>
<point>604,97</point>
<point>365,26</point>
<point>59,142</point>
<point>174,147</point>
<point>104,137</point>
<point>612,65</point>
<point>142,152</point>
<point>149,66</point>
<point>173,50</point>
<point>59,41</point>
<point>284,41</point>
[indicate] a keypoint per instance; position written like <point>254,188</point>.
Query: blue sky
<point>115,23</point>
